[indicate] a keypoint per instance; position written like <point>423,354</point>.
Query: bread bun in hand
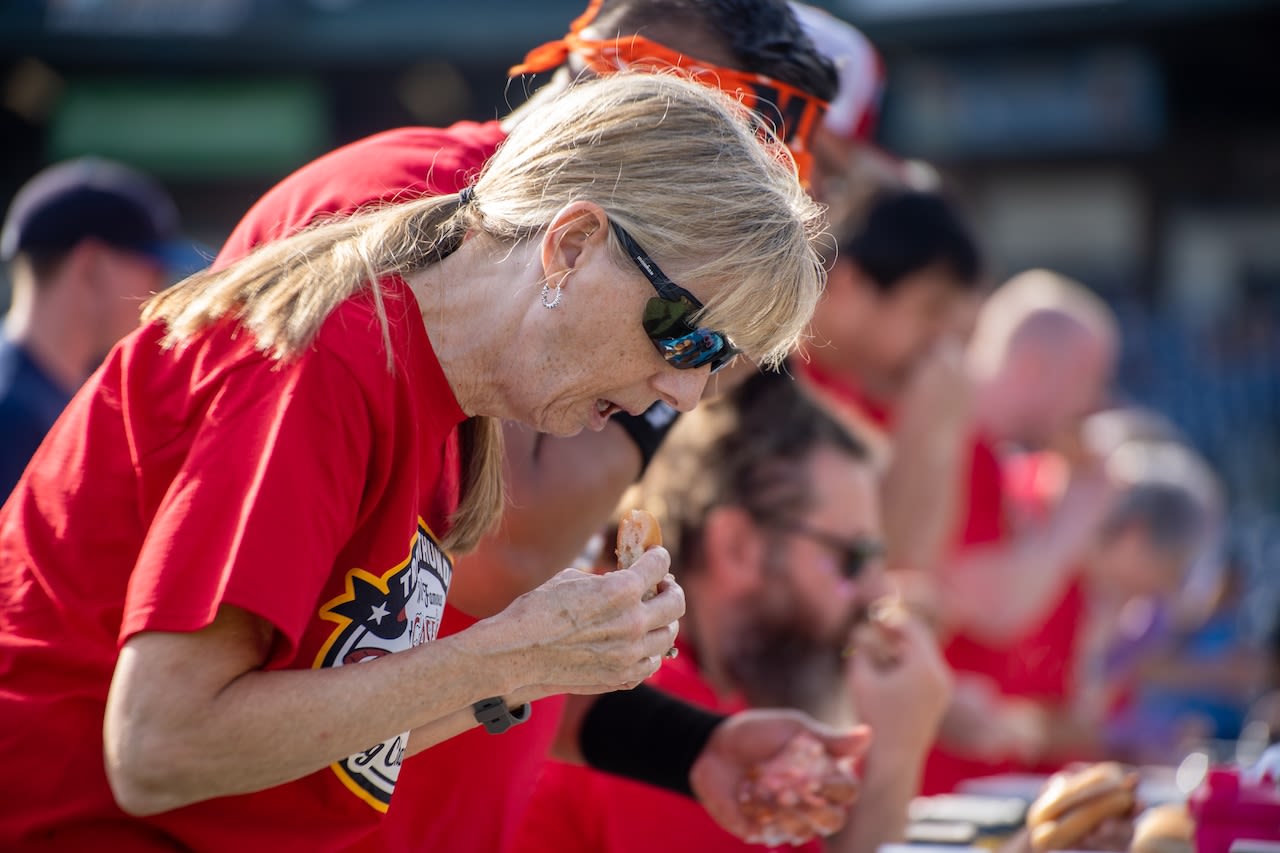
<point>1164,829</point>
<point>1073,805</point>
<point>638,531</point>
<point>879,636</point>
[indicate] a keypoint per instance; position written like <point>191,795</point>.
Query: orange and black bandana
<point>792,114</point>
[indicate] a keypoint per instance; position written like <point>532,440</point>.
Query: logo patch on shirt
<point>379,616</point>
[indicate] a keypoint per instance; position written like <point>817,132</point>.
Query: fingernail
<point>672,653</point>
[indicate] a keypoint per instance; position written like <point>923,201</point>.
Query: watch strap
<point>496,717</point>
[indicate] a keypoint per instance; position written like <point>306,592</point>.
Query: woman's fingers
<point>607,635</point>
<point>652,567</point>
<point>659,641</point>
<point>667,606</point>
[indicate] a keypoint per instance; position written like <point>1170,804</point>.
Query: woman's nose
<point>682,389</point>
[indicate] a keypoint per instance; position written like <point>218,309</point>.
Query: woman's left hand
<point>747,740</point>
<point>586,633</point>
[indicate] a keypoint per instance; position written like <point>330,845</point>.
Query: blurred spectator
<point>847,167</point>
<point>770,511</point>
<point>886,354</point>
<point>86,242</point>
<point>1119,615</point>
<point>1203,682</point>
<point>1041,357</point>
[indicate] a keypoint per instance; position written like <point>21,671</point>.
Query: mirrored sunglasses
<point>668,317</point>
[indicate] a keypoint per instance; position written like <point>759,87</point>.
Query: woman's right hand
<point>586,633</point>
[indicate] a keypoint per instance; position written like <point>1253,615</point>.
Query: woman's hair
<point>678,164</point>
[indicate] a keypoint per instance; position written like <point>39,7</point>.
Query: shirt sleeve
<point>263,503</point>
<point>390,167</point>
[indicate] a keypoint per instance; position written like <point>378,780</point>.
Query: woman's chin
<point>563,428</point>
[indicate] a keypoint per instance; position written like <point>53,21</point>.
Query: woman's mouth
<point>600,415</point>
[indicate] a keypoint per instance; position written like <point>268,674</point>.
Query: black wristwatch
<point>496,717</point>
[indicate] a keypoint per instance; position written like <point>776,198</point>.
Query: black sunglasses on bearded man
<point>791,114</point>
<point>852,555</point>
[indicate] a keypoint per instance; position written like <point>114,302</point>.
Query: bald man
<point>1041,359</point>
<point>1042,355</point>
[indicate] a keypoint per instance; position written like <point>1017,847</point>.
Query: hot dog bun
<point>638,531</point>
<point>1164,829</point>
<point>1063,832</point>
<point>1067,790</point>
<point>1074,804</point>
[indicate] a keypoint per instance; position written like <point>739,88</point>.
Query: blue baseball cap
<point>103,200</point>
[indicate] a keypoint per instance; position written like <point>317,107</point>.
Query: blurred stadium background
<point>1133,144</point>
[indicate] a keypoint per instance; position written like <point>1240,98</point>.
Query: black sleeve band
<point>649,429</point>
<point>646,735</point>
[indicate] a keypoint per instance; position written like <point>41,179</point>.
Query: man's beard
<point>778,658</point>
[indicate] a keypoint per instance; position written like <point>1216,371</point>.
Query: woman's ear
<point>575,231</point>
<point>733,550</point>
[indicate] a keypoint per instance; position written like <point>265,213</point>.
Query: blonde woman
<point>252,495</point>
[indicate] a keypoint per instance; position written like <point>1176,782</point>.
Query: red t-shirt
<point>470,792</point>
<point>1037,665</point>
<point>397,165</point>
<point>306,492</point>
<point>466,793</point>
<point>1043,660</point>
<point>575,808</point>
<point>844,392</point>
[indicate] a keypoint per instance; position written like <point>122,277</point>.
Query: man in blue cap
<point>85,242</point>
